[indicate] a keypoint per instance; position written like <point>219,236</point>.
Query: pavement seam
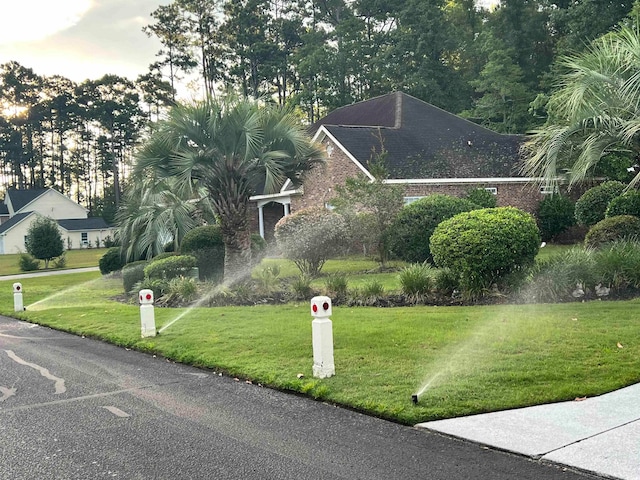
<point>589,437</point>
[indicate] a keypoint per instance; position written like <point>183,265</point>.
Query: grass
<point>476,359</point>
<point>87,257</point>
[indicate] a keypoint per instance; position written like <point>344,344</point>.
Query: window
<point>408,200</point>
<point>548,189</point>
<point>493,190</point>
<point>84,238</point>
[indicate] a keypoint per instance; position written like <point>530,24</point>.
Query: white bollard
<point>147,316</point>
<point>18,305</point>
<point>322,337</point>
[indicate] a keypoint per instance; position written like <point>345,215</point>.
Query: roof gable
<point>13,221</point>
<point>18,199</point>
<point>421,140</point>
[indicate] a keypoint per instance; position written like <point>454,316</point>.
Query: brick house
<point>426,149</point>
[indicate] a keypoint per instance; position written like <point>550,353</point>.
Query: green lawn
<point>86,257</point>
<point>475,359</point>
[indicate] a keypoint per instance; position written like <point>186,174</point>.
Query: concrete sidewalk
<point>599,435</point>
<point>46,273</point>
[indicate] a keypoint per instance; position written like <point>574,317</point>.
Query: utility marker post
<point>18,304</point>
<point>147,315</point>
<point>322,337</point>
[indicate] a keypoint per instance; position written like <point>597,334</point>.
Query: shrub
<point>60,262</point>
<point>110,242</point>
<point>301,288</point>
<point>133,273</point>
<point>111,261</point>
<point>28,263</point>
<point>561,276</point>
<point>482,197</point>
<point>412,228</point>
<point>310,237</point>
<point>179,290</point>
<point>258,247</point>
<point>445,281</point>
<point>336,286</point>
<point>592,205</point>
<point>170,267</point>
<point>416,280</point>
<point>611,229</point>
<point>484,246</point>
<point>206,245</point>
<point>267,279</point>
<point>626,204</point>
<point>158,286</point>
<point>555,215</point>
<point>617,264</point>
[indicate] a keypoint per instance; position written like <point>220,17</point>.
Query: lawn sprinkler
<point>414,398</point>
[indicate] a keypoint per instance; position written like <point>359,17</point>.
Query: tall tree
<point>595,110</point>
<point>230,147</point>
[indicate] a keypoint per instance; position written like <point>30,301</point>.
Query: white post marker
<point>322,337</point>
<point>147,316</point>
<point>18,305</point>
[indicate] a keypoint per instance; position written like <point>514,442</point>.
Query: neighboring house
<point>21,207</point>
<point>424,148</point>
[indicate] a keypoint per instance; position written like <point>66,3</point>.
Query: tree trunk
<point>236,235</point>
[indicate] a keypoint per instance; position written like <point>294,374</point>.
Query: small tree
<point>369,208</point>
<point>44,240</point>
<point>310,237</point>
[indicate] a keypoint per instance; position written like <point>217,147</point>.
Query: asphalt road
<point>75,408</point>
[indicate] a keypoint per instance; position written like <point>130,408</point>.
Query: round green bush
<point>111,261</point>
<point>483,246</point>
<point>133,273</point>
<point>206,245</point>
<point>482,197</point>
<point>626,204</point>
<point>311,236</point>
<point>611,229</point>
<point>170,267</point>
<point>592,205</point>
<point>555,215</point>
<point>410,232</point>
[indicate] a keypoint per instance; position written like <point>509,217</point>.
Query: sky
<point>82,39</point>
<point>78,39</point>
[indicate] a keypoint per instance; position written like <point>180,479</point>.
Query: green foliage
<point>484,246</point>
<point>311,236</point>
<point>132,273</point>
<point>111,261</point>
<point>301,288</point>
<point>337,287</point>
<point>592,205</point>
<point>158,285</point>
<point>268,279</point>
<point>611,229</point>
<point>44,240</point>
<point>180,289</point>
<point>28,263</point>
<point>416,280</point>
<point>482,197</point>
<point>170,267</point>
<point>626,204</point>
<point>258,247</point>
<point>412,228</point>
<point>369,208</point>
<point>557,277</point>
<point>206,244</point>
<point>60,262</point>
<point>555,215</point>
<point>446,282</point>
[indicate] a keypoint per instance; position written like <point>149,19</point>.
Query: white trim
<point>272,196</point>
<point>453,181</point>
<point>322,129</point>
<point>20,222</point>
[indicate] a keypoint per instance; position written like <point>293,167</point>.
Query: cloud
<point>32,20</point>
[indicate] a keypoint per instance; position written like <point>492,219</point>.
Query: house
<point>21,207</point>
<point>422,147</point>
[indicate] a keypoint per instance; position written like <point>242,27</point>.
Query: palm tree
<point>594,111</point>
<point>231,147</point>
<point>154,214</point>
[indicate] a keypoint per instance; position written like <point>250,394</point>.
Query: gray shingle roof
<point>422,141</point>
<point>20,198</point>
<point>17,218</point>
<point>76,224</point>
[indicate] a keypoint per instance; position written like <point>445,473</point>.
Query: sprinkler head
<point>414,398</point>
